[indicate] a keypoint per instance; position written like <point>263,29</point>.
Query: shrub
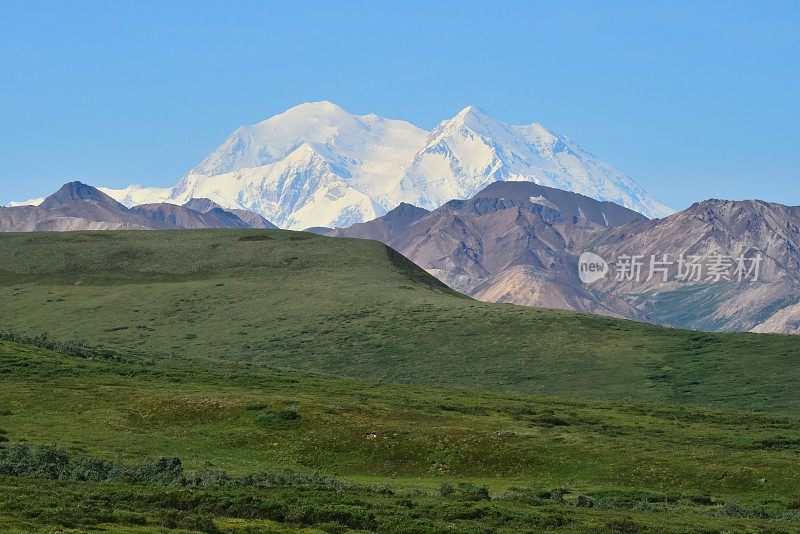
<point>76,348</point>
<point>130,518</point>
<point>278,419</point>
<point>523,496</point>
<point>162,471</point>
<point>446,490</point>
<point>705,500</point>
<point>353,517</point>
<point>174,519</point>
<point>41,461</point>
<point>624,527</point>
<point>50,462</point>
<point>90,469</point>
<point>732,509</point>
<point>465,491</point>
<point>210,478</point>
<point>584,501</point>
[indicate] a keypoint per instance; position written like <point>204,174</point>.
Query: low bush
<point>53,463</point>
<point>446,490</point>
<point>465,491</point>
<point>76,348</point>
<point>174,519</point>
<point>278,419</point>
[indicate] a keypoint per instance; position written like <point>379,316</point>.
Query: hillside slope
<point>356,308</point>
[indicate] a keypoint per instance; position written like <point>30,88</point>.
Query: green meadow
<point>273,381</point>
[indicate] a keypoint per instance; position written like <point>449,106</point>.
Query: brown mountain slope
<point>251,218</point>
<point>512,242</point>
<point>77,206</point>
<point>521,243</point>
<point>708,231</point>
<point>73,191</point>
<point>183,217</point>
<point>82,215</point>
<point>386,228</point>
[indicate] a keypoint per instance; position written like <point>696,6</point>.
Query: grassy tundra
<point>252,381</point>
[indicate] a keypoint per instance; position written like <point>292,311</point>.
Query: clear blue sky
<point>692,99</point>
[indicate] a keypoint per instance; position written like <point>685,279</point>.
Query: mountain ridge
<point>520,243</point>
<point>509,231</point>
<point>78,206</point>
<point>316,165</point>
<point>76,191</point>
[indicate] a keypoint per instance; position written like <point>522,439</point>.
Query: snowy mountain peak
<point>318,165</point>
<point>323,107</point>
<point>470,112</point>
<point>334,133</point>
<point>472,118</point>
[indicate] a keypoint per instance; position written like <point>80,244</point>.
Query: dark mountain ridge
<point>78,206</point>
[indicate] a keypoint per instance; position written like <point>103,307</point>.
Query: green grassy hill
<point>356,309</point>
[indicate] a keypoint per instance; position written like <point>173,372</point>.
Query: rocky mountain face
<point>747,277</point>
<point>252,219</point>
<point>522,243</point>
<point>512,242</point>
<point>317,165</point>
<point>73,192</point>
<point>386,229</point>
<point>77,206</point>
<point>183,217</point>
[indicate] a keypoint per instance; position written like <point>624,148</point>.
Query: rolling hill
<point>358,309</point>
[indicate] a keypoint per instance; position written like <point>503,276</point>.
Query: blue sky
<point>691,99</point>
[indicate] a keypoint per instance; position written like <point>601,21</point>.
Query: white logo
<point>591,268</point>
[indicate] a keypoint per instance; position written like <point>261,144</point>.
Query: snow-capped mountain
<point>466,153</point>
<point>318,165</point>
